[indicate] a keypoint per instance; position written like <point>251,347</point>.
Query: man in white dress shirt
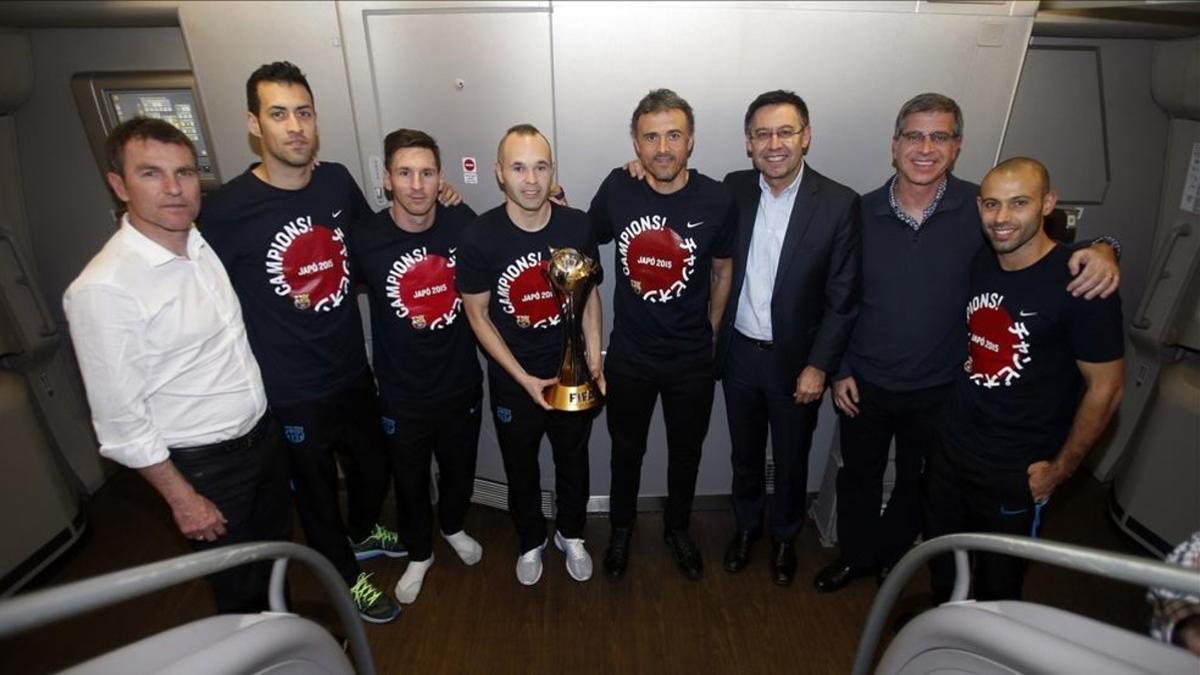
<point>174,390</point>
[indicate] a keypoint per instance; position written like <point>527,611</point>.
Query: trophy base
<point>573,399</point>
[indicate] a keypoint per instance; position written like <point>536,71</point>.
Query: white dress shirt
<point>766,240</point>
<point>162,349</point>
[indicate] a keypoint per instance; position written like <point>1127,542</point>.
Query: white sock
<point>409,586</point>
<point>467,548</point>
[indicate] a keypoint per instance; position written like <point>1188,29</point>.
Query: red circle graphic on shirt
<point>993,344</point>
<point>531,298</point>
<point>314,267</point>
<point>657,260</point>
<point>426,293</point>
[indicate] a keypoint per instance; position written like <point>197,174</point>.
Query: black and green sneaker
<point>374,606</point>
<point>382,541</point>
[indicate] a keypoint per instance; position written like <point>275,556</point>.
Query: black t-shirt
<point>664,246</point>
<point>1015,400</point>
<point>424,348</point>
<point>286,254</point>
<point>499,258</point>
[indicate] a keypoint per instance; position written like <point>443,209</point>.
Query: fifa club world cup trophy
<point>573,275</point>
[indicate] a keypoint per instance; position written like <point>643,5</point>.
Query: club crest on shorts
<point>293,434</point>
<point>504,414</point>
<point>389,425</point>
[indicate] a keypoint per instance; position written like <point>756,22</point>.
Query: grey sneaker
<point>579,561</point>
<point>382,541</point>
<point>529,566</point>
<point>374,606</point>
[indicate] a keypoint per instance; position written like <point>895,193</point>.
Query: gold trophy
<point>573,275</point>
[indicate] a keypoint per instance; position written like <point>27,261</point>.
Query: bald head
<point>1032,172</point>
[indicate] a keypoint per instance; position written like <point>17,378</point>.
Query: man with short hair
<point>792,304</point>
<point>674,236</point>
<point>429,376</point>
<point>920,233</point>
<point>512,309</point>
<point>1044,376</point>
<point>174,390</point>
<point>281,228</point>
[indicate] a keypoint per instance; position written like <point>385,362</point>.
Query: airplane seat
<point>1154,457</point>
<point>228,644</point>
<point>1020,637</point>
<point>990,638</point>
<point>276,642</point>
<point>35,392</point>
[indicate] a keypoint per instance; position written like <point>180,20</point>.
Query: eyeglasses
<point>784,134</point>
<point>936,137</point>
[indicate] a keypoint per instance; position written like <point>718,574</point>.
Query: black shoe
<point>737,554</point>
<point>616,556</point>
<point>783,562</point>
<point>687,556</point>
<point>836,575</point>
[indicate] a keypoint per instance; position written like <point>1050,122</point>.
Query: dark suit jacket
<point>816,294</point>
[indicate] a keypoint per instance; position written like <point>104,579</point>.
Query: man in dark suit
<point>794,297</point>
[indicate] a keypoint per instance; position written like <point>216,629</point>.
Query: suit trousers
<point>247,479</point>
<point>757,399</point>
<point>342,428</point>
<point>965,494</point>
<point>448,431</point>
<point>866,536</point>
<point>520,425</point>
<point>687,400</point>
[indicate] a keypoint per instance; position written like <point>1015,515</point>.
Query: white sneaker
<point>529,566</point>
<point>409,586</point>
<point>468,550</point>
<point>579,561</point>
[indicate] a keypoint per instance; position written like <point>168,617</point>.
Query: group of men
<point>208,350</point>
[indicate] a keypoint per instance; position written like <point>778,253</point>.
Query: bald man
<point>1043,378</point>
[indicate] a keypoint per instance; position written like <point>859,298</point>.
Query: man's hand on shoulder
<point>810,385</point>
<point>636,170</point>
<point>447,195</point>
<point>1095,270</point>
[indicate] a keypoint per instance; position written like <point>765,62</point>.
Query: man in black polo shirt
<point>1044,376</point>
<point>515,316</point>
<point>429,376</point>
<point>280,229</point>
<point>920,232</point>
<point>674,235</point>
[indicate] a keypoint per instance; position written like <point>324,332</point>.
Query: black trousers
<point>248,481</point>
<point>345,428</point>
<point>755,400</point>
<point>687,406</point>
<point>520,425</point>
<point>964,494</point>
<point>866,536</point>
<point>450,432</point>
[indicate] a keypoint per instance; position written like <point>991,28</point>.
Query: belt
<point>242,442</point>
<point>761,345</point>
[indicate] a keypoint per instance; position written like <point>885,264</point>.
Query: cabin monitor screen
<point>177,106</point>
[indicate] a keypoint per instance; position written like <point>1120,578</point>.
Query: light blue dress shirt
<point>770,226</point>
